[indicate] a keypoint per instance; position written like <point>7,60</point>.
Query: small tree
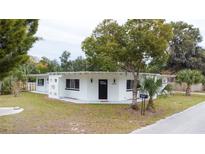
<point>151,85</point>
<point>14,82</point>
<point>189,77</point>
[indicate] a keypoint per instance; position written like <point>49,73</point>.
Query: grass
<point>44,115</point>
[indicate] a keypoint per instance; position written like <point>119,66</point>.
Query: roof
<point>88,72</point>
<point>167,75</point>
<point>40,75</point>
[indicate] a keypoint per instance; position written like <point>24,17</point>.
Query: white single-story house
<point>89,87</point>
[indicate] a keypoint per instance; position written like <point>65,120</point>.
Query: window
<point>129,85</point>
<point>77,85</point>
<point>40,82</point>
<point>72,84</point>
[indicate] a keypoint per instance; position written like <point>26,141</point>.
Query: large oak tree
<point>130,46</point>
<point>185,51</point>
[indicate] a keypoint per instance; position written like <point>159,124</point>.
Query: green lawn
<point>44,115</point>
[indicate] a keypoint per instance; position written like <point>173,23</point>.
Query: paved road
<point>9,110</point>
<point>190,121</point>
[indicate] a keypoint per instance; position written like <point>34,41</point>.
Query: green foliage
<point>26,69</point>
<point>41,68</point>
<point>79,64</point>
<point>46,65</point>
<point>128,46</point>
<point>16,38</point>
<point>189,77</point>
<point>6,86</point>
<point>97,49</point>
<point>66,64</point>
<point>157,64</point>
<point>31,66</point>
<point>53,66</point>
<point>151,85</point>
<point>167,89</point>
<point>19,74</point>
<point>185,52</point>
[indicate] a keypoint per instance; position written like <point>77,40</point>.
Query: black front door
<point>102,89</point>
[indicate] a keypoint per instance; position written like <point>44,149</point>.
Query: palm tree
<point>152,86</point>
<point>167,90</point>
<point>189,77</point>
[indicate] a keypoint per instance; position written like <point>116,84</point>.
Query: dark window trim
<point>74,89</point>
<point>129,90</point>
<point>40,84</point>
<point>131,85</point>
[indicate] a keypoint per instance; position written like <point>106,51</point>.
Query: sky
<point>60,35</point>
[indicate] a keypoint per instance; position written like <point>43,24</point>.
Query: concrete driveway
<point>190,121</point>
<point>9,110</point>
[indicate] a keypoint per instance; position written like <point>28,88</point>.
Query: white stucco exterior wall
<point>93,88</point>
<point>44,88</point>
<point>89,90</point>
<point>123,93</point>
<point>81,94</point>
<point>55,86</point>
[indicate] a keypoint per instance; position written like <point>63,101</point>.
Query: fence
<point>31,86</point>
<point>182,87</point>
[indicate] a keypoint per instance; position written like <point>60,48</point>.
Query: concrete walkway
<point>9,110</point>
<point>190,121</point>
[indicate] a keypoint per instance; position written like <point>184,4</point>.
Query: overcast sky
<point>60,35</point>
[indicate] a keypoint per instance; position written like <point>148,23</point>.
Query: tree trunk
<point>188,90</point>
<point>134,104</point>
<point>150,105</point>
<point>16,88</point>
<point>0,87</point>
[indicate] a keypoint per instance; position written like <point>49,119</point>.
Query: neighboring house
<point>89,87</point>
<point>182,87</point>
